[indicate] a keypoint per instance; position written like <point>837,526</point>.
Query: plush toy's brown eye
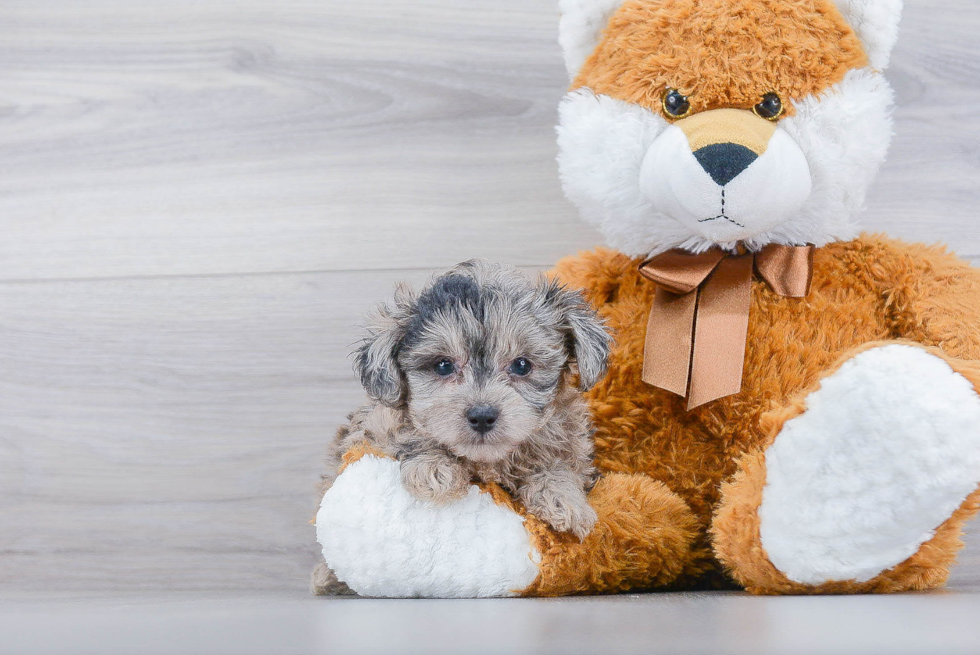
<point>676,104</point>
<point>770,108</point>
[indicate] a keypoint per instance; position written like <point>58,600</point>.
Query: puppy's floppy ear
<point>376,359</point>
<point>586,336</point>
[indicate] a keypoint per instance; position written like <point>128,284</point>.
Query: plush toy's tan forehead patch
<point>721,53</point>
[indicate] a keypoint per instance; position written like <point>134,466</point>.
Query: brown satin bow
<point>695,344</point>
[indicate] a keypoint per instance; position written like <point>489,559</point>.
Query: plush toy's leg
<point>644,538</point>
<point>383,542</point>
<point>863,484</point>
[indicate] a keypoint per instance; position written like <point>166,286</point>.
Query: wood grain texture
<point>213,137</point>
<point>199,201</point>
<point>171,431</point>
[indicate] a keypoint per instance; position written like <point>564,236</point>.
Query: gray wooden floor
<point>199,199</point>
<point>665,624</point>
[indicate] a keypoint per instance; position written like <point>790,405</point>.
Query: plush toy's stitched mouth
<point>722,214</point>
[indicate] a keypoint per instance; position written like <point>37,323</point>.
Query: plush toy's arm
<point>382,541</point>
<point>934,299</point>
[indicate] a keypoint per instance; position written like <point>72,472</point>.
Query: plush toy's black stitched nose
<point>725,161</point>
<point>482,418</point>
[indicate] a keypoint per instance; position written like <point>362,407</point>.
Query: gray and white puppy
<point>473,379</point>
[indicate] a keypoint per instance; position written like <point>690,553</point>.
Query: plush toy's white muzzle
<point>727,175</point>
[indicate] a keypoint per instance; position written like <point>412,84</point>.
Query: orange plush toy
<point>790,407</point>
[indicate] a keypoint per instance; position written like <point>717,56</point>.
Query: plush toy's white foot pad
<point>382,541</point>
<point>887,449</point>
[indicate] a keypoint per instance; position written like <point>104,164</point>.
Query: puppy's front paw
<point>435,479</point>
<point>565,512</point>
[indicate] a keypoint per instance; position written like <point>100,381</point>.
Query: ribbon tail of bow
<point>670,341</point>
<point>670,330</point>
<point>696,334</point>
<point>695,345</point>
<point>720,331</point>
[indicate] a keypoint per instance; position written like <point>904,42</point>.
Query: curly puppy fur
<point>479,378</point>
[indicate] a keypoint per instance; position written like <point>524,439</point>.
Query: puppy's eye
<point>444,367</point>
<point>770,108</point>
<point>676,104</point>
<point>520,367</point>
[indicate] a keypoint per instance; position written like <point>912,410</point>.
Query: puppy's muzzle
<point>482,418</point>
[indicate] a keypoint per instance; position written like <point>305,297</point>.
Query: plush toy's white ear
<point>876,24</point>
<point>581,27</point>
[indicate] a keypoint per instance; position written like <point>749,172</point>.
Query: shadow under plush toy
<point>789,406</point>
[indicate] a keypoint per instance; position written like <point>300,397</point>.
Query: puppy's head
<point>480,356</point>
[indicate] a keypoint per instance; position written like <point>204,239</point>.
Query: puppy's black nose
<point>725,161</point>
<point>482,418</point>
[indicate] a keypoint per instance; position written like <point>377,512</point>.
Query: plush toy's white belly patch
<point>382,541</point>
<point>887,450</point>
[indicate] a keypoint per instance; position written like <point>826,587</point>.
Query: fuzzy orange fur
<point>645,537</point>
<point>865,291</point>
<point>677,503</point>
<point>736,526</point>
<point>722,53</point>
<point>356,452</point>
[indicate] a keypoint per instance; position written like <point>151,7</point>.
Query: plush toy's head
<point>701,123</point>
